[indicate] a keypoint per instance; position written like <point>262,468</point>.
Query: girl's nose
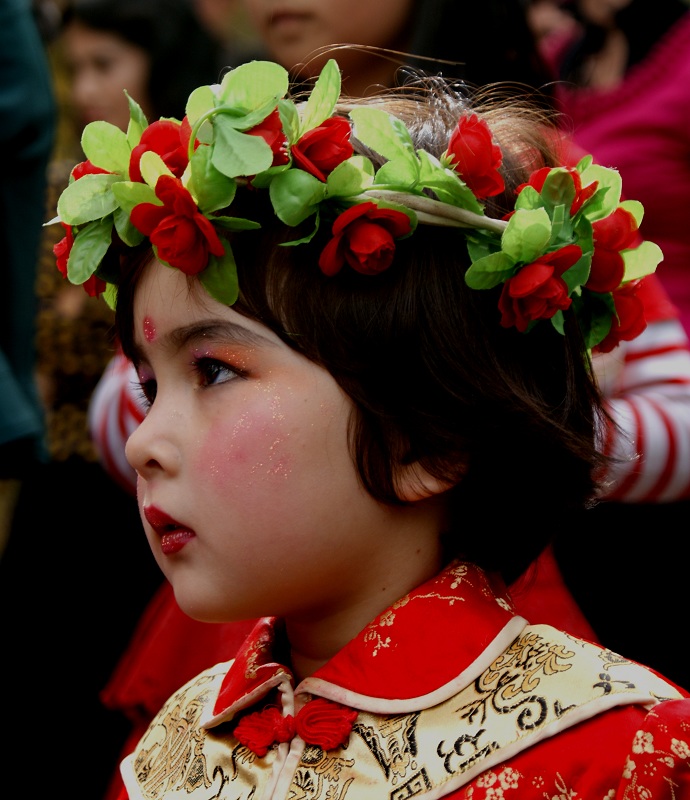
<point>151,450</point>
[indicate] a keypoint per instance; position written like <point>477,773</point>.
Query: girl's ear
<point>415,483</point>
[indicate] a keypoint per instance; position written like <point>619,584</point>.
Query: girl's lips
<point>173,535</point>
<point>174,541</point>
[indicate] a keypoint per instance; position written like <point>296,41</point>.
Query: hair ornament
<point>569,243</point>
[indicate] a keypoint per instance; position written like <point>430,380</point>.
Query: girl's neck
<point>314,640</point>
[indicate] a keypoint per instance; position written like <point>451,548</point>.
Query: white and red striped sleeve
<point>649,400</point>
<point>115,411</point>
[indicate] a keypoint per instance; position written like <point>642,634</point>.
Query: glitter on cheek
<point>252,447</point>
<point>149,329</point>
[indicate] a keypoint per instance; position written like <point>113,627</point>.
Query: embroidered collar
<point>421,650</point>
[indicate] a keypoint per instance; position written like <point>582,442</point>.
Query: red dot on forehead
<point>149,329</point>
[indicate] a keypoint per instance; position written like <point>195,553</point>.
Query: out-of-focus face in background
<point>292,30</point>
<point>101,65</point>
<point>601,12</point>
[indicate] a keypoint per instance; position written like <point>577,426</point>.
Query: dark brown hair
<point>505,418</point>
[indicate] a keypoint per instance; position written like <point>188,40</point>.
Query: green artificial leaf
<point>529,198</point>
<point>137,123</point>
<point>130,235</point>
<point>132,193</point>
<point>253,85</point>
<point>584,162</point>
<point>289,117</point>
<point>558,189</point>
<point>236,153</point>
<point>577,274</point>
<point>558,322</point>
<point>527,235</point>
<point>641,260</point>
<point>235,223</point>
<point>88,250</point>
<point>323,97</point>
<point>296,195</point>
<point>595,313</point>
<point>400,173</point>
<point>110,295</point>
<point>106,146</point>
<point>152,167</point>
<point>607,196</point>
<point>635,208</point>
<point>561,225</point>
<point>383,133</point>
<point>350,177</point>
<point>88,199</point>
<point>220,277</point>
<point>244,120</point>
<point>489,271</point>
<point>481,244</point>
<point>211,189</point>
<point>200,102</point>
<point>446,184</point>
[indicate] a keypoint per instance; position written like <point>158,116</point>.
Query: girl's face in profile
<point>101,65</point>
<point>249,496</point>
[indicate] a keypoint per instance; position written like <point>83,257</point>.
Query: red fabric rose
<point>87,168</point>
<point>364,237</point>
<point>629,321</point>
<point>93,286</point>
<point>320,150</point>
<point>260,730</point>
<point>271,131</point>
<point>538,177</point>
<point>616,232</point>
<point>63,248</point>
<point>182,235</point>
<point>475,157</point>
<point>168,138</point>
<point>324,723</point>
<point>537,291</point>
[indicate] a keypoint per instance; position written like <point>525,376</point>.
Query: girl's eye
<point>213,372</point>
<point>146,391</point>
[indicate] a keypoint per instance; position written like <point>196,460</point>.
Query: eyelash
<point>207,370</point>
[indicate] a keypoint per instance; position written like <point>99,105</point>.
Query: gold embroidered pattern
<point>538,681</point>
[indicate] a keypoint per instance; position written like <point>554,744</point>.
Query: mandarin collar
<point>424,648</point>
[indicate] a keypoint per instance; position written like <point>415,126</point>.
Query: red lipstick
<point>173,535</point>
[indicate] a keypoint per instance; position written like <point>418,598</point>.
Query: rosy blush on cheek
<point>245,452</point>
<point>149,329</point>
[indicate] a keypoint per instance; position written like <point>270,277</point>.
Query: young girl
<point>362,330</point>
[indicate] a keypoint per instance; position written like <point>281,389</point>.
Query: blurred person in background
<point>435,36</point>
<point>228,22</point>
<point>28,114</point>
<point>622,84</point>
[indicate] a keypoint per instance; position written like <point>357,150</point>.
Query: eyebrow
<point>208,331</point>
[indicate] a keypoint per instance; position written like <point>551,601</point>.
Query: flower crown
<point>569,243</point>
